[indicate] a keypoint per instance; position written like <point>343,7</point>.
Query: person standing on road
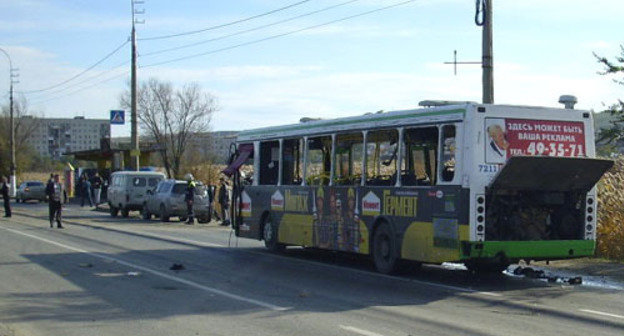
<point>55,192</point>
<point>7,199</point>
<point>97,188</point>
<point>86,191</point>
<point>189,198</point>
<point>224,201</point>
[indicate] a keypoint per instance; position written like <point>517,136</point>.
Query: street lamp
<point>11,125</point>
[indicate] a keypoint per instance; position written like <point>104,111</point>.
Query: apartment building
<point>53,137</point>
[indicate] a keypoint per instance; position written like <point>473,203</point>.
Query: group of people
<point>90,189</point>
<point>223,197</point>
<point>57,194</point>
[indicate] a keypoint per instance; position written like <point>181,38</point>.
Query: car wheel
<point>203,220</point>
<point>114,211</point>
<point>269,234</point>
<point>145,213</point>
<point>384,249</point>
<point>125,213</point>
<point>183,218</point>
<point>164,217</point>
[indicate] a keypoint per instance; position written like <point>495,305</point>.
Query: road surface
<point>113,276</point>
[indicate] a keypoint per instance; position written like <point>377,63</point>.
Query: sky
<point>270,65</point>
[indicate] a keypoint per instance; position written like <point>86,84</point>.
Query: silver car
<point>168,200</point>
<point>31,190</point>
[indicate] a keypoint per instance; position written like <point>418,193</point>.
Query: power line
<point>278,35</point>
<point>81,89</point>
<point>246,30</point>
<point>81,73</point>
<point>88,79</point>
<point>224,24</point>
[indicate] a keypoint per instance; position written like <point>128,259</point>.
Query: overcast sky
<point>385,60</point>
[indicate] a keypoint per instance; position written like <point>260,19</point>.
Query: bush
<point>610,231</point>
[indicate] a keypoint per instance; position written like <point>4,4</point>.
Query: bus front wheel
<point>269,234</point>
<point>384,249</point>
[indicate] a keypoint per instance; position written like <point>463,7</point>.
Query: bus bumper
<point>536,250</point>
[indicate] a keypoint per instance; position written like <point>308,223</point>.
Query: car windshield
<point>34,184</point>
<point>200,190</point>
<point>153,181</point>
<point>179,189</point>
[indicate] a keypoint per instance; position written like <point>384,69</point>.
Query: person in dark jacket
<point>96,185</point>
<point>86,191</point>
<point>7,199</point>
<point>189,198</point>
<point>224,201</point>
<point>55,192</point>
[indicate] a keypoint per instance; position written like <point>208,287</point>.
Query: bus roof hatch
<point>543,173</point>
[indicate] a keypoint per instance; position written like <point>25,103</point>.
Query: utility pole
<point>483,18</point>
<point>12,167</point>
<point>135,152</point>
<point>487,63</point>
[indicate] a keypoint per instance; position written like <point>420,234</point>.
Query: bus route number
<point>488,168</point>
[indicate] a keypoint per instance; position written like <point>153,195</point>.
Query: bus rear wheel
<point>384,249</point>
<point>269,234</point>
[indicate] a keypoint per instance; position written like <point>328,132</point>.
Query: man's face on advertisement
<point>498,136</point>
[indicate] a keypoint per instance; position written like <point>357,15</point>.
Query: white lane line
<point>199,243</point>
<point>154,272</point>
<point>602,313</point>
<point>359,331</point>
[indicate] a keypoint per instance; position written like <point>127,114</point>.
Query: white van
<point>128,190</point>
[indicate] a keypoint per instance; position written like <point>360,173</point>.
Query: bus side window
<point>419,157</point>
<point>292,157</point>
<point>269,162</point>
<point>447,164</point>
<point>348,159</point>
<point>318,163</point>
<point>381,157</point>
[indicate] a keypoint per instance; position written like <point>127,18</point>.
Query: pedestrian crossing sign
<point>117,117</point>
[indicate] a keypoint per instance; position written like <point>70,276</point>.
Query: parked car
<point>128,190</point>
<point>31,190</point>
<point>168,200</point>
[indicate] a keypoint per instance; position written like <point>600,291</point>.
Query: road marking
<point>198,243</point>
<point>601,313</point>
<point>155,272</point>
<point>359,331</point>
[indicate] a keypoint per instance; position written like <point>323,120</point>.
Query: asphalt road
<point>105,276</point>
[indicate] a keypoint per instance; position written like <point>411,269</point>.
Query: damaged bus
<point>485,185</point>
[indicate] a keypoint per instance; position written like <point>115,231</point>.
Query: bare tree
<point>26,123</point>
<point>172,117</point>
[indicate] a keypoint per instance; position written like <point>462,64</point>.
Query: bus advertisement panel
<point>527,137</point>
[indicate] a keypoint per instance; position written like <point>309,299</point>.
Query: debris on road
<point>177,267</point>
<point>532,273</point>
